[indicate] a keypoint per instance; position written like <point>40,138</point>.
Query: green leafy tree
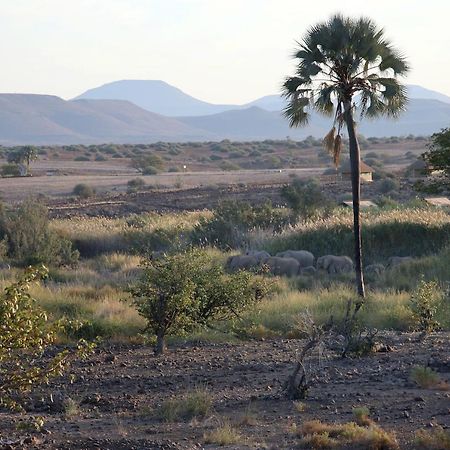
<point>345,63</point>
<point>438,155</point>
<point>232,220</point>
<point>25,336</point>
<point>28,238</point>
<point>180,292</point>
<point>306,199</point>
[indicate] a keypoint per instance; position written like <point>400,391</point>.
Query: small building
<point>365,170</point>
<point>421,168</point>
<point>363,204</point>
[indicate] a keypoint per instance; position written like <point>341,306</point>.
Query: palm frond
<point>328,141</point>
<point>337,150</point>
<point>295,111</point>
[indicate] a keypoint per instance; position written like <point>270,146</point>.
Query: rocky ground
<point>118,392</point>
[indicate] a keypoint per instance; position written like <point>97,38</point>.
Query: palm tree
<point>346,64</point>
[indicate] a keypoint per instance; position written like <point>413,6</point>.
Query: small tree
<point>24,156</point>
<point>28,238</point>
<point>438,155</point>
<point>25,335</point>
<point>179,292</point>
<point>306,199</point>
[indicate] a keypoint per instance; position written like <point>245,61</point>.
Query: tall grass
<point>385,233</point>
<point>98,235</point>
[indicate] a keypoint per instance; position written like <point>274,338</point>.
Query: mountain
<point>162,98</point>
<point>156,96</point>
<point>46,119</point>
<point>277,102</point>
<point>423,117</point>
<point>415,91</point>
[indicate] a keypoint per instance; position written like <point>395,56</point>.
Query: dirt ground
<point>120,389</point>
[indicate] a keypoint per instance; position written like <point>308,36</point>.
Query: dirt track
<point>120,389</point>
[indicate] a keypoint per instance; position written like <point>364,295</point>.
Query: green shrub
<point>228,166</point>
<point>305,199</point>
<point>25,336</point>
<point>82,158</point>
<point>424,304</point>
<point>179,292</point>
<point>388,185</point>
<point>232,220</point>
<point>135,184</point>
<point>150,170</point>
<point>10,170</point>
<point>28,238</point>
<point>83,191</point>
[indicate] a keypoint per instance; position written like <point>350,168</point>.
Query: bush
<point>424,304</point>
<point>24,338</point>
<point>29,240</point>
<point>10,170</point>
<point>388,185</point>
<point>306,199</point>
<point>150,170</point>
<point>83,191</point>
<point>232,220</point>
<point>144,161</point>
<point>179,292</point>
<point>135,184</point>
<point>82,158</point>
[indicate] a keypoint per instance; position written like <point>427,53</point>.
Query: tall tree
<point>346,64</point>
<point>24,155</point>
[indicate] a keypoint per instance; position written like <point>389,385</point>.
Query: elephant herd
<point>291,263</point>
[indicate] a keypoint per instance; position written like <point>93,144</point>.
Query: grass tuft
<point>195,404</point>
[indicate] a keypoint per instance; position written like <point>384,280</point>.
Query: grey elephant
<point>288,267</point>
<point>335,264</point>
<point>394,261</point>
<point>375,269</point>
<point>260,255</point>
<point>310,270</point>
<point>242,262</point>
<point>304,258</point>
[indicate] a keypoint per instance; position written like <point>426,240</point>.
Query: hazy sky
<point>229,51</point>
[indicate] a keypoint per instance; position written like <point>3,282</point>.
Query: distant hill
<point>46,119</point>
<point>162,98</point>
<point>156,96</point>
<point>423,117</point>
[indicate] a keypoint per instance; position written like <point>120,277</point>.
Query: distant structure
<point>365,170</point>
<point>438,201</point>
<point>363,204</point>
<point>420,169</point>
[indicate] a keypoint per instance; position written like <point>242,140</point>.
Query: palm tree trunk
<point>355,160</point>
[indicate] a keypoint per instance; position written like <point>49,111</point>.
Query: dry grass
<point>427,378</point>
<point>223,435</point>
<point>318,435</point>
<point>435,439</point>
<point>196,404</point>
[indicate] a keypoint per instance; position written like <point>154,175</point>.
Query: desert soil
<point>120,388</point>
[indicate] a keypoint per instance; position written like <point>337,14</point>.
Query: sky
<point>221,51</point>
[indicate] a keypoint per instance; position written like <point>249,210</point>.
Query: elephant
<point>335,264</point>
<point>375,269</point>
<point>258,254</point>
<point>304,258</point>
<point>242,262</point>
<point>394,261</point>
<point>289,267</point>
<point>310,270</point>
